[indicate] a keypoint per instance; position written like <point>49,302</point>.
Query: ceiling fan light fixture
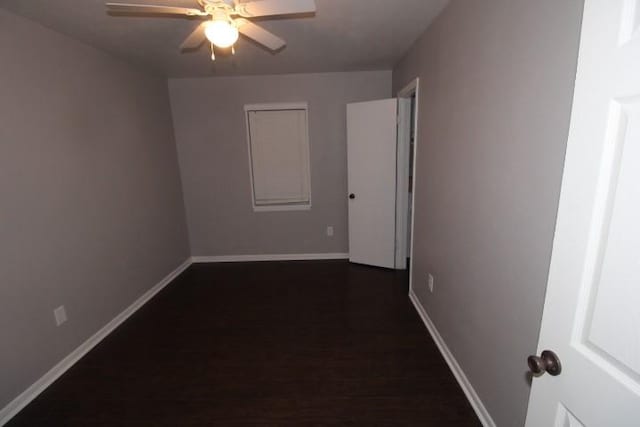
<point>221,32</point>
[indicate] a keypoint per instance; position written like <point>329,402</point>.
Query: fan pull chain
<point>213,54</point>
<point>233,50</point>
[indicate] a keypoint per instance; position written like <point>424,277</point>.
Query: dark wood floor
<point>263,344</point>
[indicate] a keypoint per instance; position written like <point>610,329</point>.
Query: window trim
<point>278,106</point>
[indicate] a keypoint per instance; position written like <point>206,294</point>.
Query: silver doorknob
<point>547,362</point>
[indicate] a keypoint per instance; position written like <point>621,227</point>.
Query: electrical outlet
<point>60,314</point>
<point>330,230</point>
<point>430,282</point>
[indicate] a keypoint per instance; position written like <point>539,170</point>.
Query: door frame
<point>402,176</point>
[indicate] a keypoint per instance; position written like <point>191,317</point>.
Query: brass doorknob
<point>547,362</point>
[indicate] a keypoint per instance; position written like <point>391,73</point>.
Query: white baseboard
<point>54,373</point>
<point>472,396</point>
<point>275,257</point>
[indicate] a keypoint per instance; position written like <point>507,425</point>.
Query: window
<point>278,141</point>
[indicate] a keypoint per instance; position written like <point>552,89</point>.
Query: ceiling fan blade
<point>275,7</point>
<point>259,34</point>
<point>195,39</point>
<point>146,8</point>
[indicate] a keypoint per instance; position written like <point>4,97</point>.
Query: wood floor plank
<point>305,343</point>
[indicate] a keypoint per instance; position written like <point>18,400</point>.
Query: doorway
<point>405,178</point>
<point>381,147</point>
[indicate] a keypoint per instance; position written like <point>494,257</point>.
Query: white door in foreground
<point>592,310</point>
<point>371,154</point>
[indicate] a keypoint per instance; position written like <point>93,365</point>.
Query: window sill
<point>280,208</point>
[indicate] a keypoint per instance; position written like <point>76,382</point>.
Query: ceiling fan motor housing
<point>217,3</point>
<point>218,9</point>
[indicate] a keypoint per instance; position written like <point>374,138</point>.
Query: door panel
<point>371,158</point>
<point>592,309</point>
<point>612,320</point>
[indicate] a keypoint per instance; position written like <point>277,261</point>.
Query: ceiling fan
<point>226,19</point>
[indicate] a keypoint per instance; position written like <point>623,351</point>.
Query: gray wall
<point>212,147</point>
<point>496,83</point>
<point>91,212</point>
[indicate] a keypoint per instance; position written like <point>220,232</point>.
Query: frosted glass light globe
<point>221,33</point>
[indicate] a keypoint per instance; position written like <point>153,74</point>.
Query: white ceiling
<point>344,35</point>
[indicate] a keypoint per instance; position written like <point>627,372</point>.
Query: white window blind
<point>279,156</point>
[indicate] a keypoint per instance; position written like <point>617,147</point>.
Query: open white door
<point>592,311</point>
<point>371,154</point>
